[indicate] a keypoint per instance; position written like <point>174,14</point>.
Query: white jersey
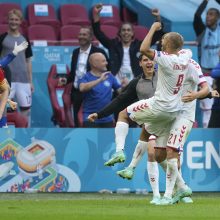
<point>171,75</point>
<point>194,78</point>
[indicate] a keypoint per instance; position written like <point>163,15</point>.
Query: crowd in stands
<point>43,24</point>
<point>93,72</point>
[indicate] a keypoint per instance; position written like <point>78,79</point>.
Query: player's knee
<point>122,116</point>
<point>151,156</point>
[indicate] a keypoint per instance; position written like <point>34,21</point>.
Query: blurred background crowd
<point>100,45</point>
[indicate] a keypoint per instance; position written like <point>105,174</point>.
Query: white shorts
<point>155,121</point>
<point>21,92</point>
<point>177,136</point>
<point>206,104</point>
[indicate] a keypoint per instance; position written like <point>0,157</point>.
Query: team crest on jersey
<point>106,83</point>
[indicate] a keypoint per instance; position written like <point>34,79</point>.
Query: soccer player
<point>167,96</point>
<point>162,109</point>
<point>4,86</point>
<point>179,131</point>
<point>141,87</point>
<point>195,77</point>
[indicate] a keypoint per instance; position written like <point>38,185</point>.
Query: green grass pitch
<point>94,206</point>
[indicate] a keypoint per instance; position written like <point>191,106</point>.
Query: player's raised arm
<point>145,46</point>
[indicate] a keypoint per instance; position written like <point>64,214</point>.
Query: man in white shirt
<point>176,135</point>
<point>178,132</point>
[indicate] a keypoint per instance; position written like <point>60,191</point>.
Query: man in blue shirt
<point>97,86</point>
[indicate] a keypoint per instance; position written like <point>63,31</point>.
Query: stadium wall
<point>77,164</point>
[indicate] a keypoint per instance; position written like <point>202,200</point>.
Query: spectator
<point>97,87</point>
<point>21,67</point>
<point>79,67</point>
<point>124,49</point>
<point>215,112</point>
<point>208,37</point>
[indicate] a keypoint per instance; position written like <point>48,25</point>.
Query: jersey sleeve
<point>197,74</point>
<point>7,59</point>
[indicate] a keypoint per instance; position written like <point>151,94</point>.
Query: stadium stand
<point>69,35</point>
<point>5,8</point>
<point>140,32</point>
<point>41,32</point>
<point>111,19</point>
<point>110,30</point>
<point>129,16</point>
<point>3,28</point>
<point>177,17</point>
<point>73,14</point>
<point>48,18</point>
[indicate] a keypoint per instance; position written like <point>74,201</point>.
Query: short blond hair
<point>16,12</point>
<point>176,40</point>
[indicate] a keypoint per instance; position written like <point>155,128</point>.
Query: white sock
<point>153,175</point>
<point>27,114</point>
<point>121,131</point>
<point>180,183</point>
<point>138,153</point>
<point>171,176</point>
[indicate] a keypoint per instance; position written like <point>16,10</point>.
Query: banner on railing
<point>72,160</point>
